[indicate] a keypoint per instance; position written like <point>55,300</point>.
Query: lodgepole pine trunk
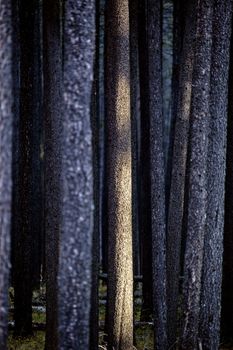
<point>227,284</point>
<point>197,204</point>
<point>209,329</point>
<point>6,122</point>
<point>52,72</point>
<point>75,261</point>
<point>120,264</point>
<point>157,171</point>
<point>178,178</point>
<point>27,209</point>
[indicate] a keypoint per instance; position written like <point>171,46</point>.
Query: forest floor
<point>143,334</point>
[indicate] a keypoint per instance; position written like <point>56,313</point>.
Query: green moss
<point>35,342</point>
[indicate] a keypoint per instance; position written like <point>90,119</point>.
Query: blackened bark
<point>227,285</point>
<point>36,143</point>
<point>52,72</point>
<point>95,121</point>
<point>178,36</point>
<point>28,123</point>
<point>135,113</point>
<point>6,122</point>
<point>209,329</point>
<point>154,26</point>
<point>120,264</point>
<point>74,276</point>
<point>178,180</point>
<point>197,205</point>
<point>144,169</point>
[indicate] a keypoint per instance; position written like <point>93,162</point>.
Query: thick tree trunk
<point>209,329</point>
<point>154,46</point>
<point>227,285</point>
<point>6,122</point>
<point>197,204</point>
<point>177,190</point>
<point>74,280</point>
<point>120,265</point>
<point>52,69</point>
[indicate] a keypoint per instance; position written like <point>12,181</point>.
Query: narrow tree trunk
<point>197,205</point>
<point>6,122</point>
<point>209,329</point>
<point>95,123</point>
<point>28,121</point>
<point>144,170</point>
<point>52,69</point>
<point>177,190</point>
<point>120,265</point>
<point>154,46</point>
<point>74,277</point>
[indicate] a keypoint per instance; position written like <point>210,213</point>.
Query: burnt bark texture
<point>178,177</point>
<point>227,284</point>
<point>95,123</point>
<point>209,329</point>
<point>26,228</point>
<point>120,260</point>
<point>154,27</point>
<point>6,122</point>
<point>75,261</point>
<point>197,203</point>
<point>52,72</point>
<point>144,169</point>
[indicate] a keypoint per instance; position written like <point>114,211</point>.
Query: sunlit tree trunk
<point>120,264</point>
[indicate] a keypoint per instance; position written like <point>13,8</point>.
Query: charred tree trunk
<point>28,203</point>
<point>52,69</point>
<point>95,121</point>
<point>120,265</point>
<point>209,329</point>
<point>6,122</point>
<point>197,204</point>
<point>178,179</point>
<point>157,171</point>
<point>227,285</point>
<point>144,170</point>
<point>74,276</point>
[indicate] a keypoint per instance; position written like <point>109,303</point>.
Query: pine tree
<point>120,265</point>
<point>6,121</point>
<point>74,276</point>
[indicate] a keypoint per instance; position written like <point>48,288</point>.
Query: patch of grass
<point>35,342</point>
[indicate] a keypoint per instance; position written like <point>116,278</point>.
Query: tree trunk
<point>154,47</point>
<point>227,285</point>
<point>197,204</point>
<point>6,122</point>
<point>177,190</point>
<point>120,265</point>
<point>74,276</point>
<point>27,206</point>
<point>52,69</point>
<point>144,170</point>
<point>209,328</point>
